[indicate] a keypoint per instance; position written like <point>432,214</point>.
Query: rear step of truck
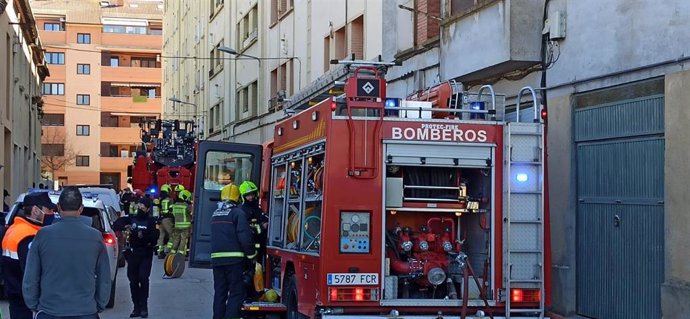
<point>264,307</point>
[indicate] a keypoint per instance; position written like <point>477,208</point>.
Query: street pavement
<point>190,296</point>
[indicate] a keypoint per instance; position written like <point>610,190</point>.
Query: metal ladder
<point>523,243</point>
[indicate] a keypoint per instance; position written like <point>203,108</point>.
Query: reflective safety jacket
<point>165,208</point>
<point>183,217</point>
<point>231,238</point>
<point>15,249</point>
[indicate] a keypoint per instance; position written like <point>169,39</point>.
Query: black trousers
<point>229,291</point>
<point>18,309</point>
<point>138,272</point>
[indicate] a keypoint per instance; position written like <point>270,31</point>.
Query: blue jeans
<point>43,315</point>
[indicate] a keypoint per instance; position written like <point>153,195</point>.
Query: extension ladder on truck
<point>523,248</point>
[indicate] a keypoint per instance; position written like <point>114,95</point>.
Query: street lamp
<point>232,51</point>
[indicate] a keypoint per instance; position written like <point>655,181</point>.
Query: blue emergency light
<point>392,102</point>
<point>477,106</point>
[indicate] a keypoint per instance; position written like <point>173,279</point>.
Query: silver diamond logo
<point>368,87</point>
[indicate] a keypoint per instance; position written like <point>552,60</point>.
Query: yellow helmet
<point>271,295</point>
<point>185,195</point>
<point>179,188</point>
<point>230,192</point>
<point>166,188</point>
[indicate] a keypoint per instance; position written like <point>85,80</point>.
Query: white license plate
<point>346,279</point>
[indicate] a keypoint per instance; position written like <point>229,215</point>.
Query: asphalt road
<point>190,296</point>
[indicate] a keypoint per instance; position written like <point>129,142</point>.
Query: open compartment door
<point>218,164</point>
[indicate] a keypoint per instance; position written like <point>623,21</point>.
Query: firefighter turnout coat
<point>231,237</point>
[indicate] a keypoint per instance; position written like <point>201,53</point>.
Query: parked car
<point>112,202</point>
<point>98,217</point>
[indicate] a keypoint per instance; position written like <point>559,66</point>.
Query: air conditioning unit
<point>105,3</point>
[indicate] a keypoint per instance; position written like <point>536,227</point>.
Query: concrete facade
<point>22,70</point>
<point>109,83</point>
<point>675,292</point>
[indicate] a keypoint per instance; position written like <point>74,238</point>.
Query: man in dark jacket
<point>231,244</point>
<point>67,271</point>
<point>15,249</point>
<point>139,254</point>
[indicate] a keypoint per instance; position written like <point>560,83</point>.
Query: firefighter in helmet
<point>257,220</point>
<point>231,246</point>
<point>138,195</point>
<point>166,222</point>
<point>183,221</point>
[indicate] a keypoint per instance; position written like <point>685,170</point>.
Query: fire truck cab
<point>395,208</point>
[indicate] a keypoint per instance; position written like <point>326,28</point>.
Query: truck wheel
<point>111,301</point>
<point>290,297</point>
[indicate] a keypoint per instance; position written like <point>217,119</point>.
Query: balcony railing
<point>137,41</point>
<point>115,164</point>
<point>120,135</point>
<point>127,104</point>
<point>131,74</point>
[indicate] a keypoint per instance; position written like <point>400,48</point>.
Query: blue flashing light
<point>152,191</point>
<point>521,177</point>
<point>477,106</point>
<point>392,102</point>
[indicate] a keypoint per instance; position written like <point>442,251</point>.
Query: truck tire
<point>290,297</point>
<point>111,301</point>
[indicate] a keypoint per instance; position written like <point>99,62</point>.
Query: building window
<point>247,99</point>
<point>55,57</point>
<point>326,53</point>
<point>53,120</point>
<point>465,6</point>
<point>83,99</point>
<point>248,28</point>
<point>215,6</point>
<point>84,38</point>
<point>53,89</point>
<point>141,62</point>
<point>357,37</point>
<point>52,26</point>
<point>124,29</point>
<point>53,149</point>
<point>83,68</point>
<point>82,160</point>
<point>216,59</point>
<point>281,81</point>
<point>83,130</point>
<point>114,61</point>
<point>279,8</point>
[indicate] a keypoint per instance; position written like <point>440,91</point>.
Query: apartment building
<point>22,70</point>
<point>241,63</point>
<point>105,63</point>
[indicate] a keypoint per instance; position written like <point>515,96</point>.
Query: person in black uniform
<point>258,222</point>
<point>139,254</point>
<point>231,245</point>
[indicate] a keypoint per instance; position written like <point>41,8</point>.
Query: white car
<point>96,215</point>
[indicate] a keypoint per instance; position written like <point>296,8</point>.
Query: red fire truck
<point>166,156</point>
<point>388,208</point>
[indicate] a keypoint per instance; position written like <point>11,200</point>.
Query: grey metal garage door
<point>620,211</point>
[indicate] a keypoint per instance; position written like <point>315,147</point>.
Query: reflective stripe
<point>165,206</point>
<point>227,254</point>
<point>180,225</point>
<point>11,254</point>
<point>252,255</point>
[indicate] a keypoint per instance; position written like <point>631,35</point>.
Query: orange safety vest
<point>21,229</point>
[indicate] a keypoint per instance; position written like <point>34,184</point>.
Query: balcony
<point>120,135</point>
<point>53,37</point>
<point>115,164</point>
<point>131,74</point>
<point>131,41</point>
<point>127,104</point>
<point>487,40</point>
<point>57,73</point>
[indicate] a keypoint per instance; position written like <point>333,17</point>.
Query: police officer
<point>183,222</point>
<point>139,254</point>
<point>166,222</point>
<point>231,245</point>
<point>15,249</point>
